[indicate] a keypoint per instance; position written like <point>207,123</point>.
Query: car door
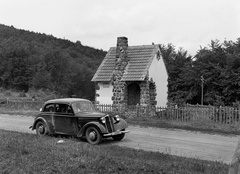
<point>64,120</point>
<point>47,114</point>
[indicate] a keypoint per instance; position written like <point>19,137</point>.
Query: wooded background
<point>36,61</point>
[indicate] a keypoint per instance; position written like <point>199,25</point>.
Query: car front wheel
<point>93,136</point>
<point>118,137</point>
<point>41,128</point>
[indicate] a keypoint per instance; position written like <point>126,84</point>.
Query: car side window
<point>69,110</point>
<point>64,108</point>
<point>49,108</point>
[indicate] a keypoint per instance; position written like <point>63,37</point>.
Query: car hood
<point>90,114</point>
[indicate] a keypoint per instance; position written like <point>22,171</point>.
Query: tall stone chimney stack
<point>122,44</point>
<point>121,63</point>
<point>121,51</point>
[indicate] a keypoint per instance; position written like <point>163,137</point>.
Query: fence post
<point>215,114</point>
<point>176,111</point>
<point>238,114</point>
<point>220,114</point>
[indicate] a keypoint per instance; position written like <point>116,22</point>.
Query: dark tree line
<point>218,64</point>
<point>40,61</point>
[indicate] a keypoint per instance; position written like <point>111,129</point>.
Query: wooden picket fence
<point>187,113</point>
<point>222,115</point>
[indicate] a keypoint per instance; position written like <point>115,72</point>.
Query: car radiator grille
<point>109,124</point>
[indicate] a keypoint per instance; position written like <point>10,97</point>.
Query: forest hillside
<point>32,60</point>
<point>35,61</point>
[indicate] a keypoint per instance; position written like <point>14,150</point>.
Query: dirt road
<point>175,142</point>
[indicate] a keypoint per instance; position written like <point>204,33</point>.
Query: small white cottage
<point>132,75</point>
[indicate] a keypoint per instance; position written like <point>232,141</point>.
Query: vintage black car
<point>78,117</point>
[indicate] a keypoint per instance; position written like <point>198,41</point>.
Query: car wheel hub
<point>41,129</point>
<point>92,135</point>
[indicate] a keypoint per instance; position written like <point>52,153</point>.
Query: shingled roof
<point>140,59</point>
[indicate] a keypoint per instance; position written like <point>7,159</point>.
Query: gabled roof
<point>140,59</point>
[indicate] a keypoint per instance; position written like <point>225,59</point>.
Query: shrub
<point>8,93</point>
<point>22,94</point>
<point>1,89</point>
<point>41,94</point>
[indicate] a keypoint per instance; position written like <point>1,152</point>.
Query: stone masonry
<point>137,91</point>
<point>121,63</point>
<point>147,87</point>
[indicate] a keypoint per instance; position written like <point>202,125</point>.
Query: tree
<point>38,60</point>
<point>17,70</point>
<point>177,64</point>
<point>219,64</point>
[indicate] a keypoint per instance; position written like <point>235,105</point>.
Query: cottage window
<point>106,85</point>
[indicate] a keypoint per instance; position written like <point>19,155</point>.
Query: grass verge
<point>201,126</point>
<point>27,153</point>
<point>18,112</point>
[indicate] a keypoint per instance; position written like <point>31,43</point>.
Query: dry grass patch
<point>27,153</point>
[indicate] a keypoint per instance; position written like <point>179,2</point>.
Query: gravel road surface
<point>176,142</point>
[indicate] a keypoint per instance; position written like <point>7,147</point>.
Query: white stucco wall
<point>158,73</point>
<point>105,94</point>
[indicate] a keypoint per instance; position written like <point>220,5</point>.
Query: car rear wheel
<point>93,136</point>
<point>41,128</point>
<point>118,137</point>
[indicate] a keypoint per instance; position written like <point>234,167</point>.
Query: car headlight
<point>117,118</point>
<point>103,120</point>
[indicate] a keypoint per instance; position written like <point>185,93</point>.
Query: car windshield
<point>83,106</point>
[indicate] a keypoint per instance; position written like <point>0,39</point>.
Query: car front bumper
<point>116,133</point>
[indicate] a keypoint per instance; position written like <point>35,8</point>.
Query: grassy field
<point>27,153</point>
<point>24,153</point>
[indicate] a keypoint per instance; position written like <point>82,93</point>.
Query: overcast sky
<point>97,23</point>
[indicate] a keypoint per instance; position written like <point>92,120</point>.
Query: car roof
<point>66,100</point>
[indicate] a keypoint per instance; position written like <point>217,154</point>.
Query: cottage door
<point>133,94</point>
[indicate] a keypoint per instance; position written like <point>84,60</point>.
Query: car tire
<point>41,128</point>
<point>118,137</point>
<point>93,135</point>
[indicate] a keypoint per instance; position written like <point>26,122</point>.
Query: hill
<point>39,61</point>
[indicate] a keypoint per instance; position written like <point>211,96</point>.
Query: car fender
<point>101,128</point>
<point>123,123</point>
<point>40,119</point>
<point>120,125</point>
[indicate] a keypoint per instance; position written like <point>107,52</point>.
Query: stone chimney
<point>122,44</point>
<point>119,86</point>
<point>121,52</point>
